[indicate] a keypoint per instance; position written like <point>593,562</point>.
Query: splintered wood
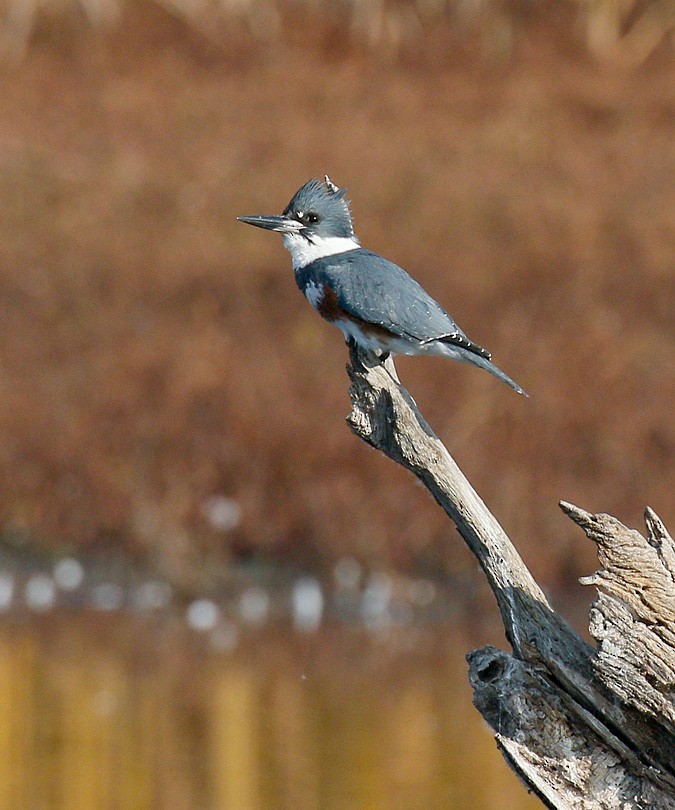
<point>589,728</point>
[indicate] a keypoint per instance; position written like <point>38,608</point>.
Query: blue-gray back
<point>373,289</point>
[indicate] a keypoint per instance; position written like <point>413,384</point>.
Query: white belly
<point>398,345</point>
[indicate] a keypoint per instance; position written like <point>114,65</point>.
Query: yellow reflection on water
<point>114,712</point>
<point>235,733</point>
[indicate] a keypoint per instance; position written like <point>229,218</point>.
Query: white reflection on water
<point>68,574</point>
<point>308,604</point>
<point>202,614</point>
<point>254,605</point>
<point>40,592</point>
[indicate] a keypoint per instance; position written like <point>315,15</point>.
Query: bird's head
<point>317,211</point>
<point>316,223</point>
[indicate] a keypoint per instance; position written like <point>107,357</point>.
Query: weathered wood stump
<point>583,727</point>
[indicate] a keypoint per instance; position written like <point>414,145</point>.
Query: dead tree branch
<point>583,727</point>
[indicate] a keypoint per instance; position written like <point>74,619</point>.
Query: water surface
<point>117,711</point>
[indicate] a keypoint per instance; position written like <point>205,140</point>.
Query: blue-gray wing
<point>374,290</point>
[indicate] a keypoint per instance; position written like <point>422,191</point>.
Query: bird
<point>374,302</point>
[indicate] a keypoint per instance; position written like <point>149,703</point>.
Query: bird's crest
<point>336,191</point>
<point>330,185</point>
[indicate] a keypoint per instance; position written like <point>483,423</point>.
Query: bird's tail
<point>488,365</point>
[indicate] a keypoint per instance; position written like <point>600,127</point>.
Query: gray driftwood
<point>584,727</point>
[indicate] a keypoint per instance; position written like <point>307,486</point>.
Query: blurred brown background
<point>166,390</point>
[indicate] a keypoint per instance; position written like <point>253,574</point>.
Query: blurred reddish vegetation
<point>156,353</point>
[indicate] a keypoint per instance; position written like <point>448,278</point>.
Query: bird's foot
<point>355,355</point>
<point>358,355</point>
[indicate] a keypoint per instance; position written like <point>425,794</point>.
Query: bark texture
<point>583,727</point>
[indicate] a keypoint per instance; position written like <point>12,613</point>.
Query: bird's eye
<point>311,217</point>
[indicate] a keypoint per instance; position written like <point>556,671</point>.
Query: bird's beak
<point>274,223</point>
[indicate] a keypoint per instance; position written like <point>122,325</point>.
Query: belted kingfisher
<point>371,300</point>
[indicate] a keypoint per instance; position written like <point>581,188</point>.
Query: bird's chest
<point>325,300</point>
